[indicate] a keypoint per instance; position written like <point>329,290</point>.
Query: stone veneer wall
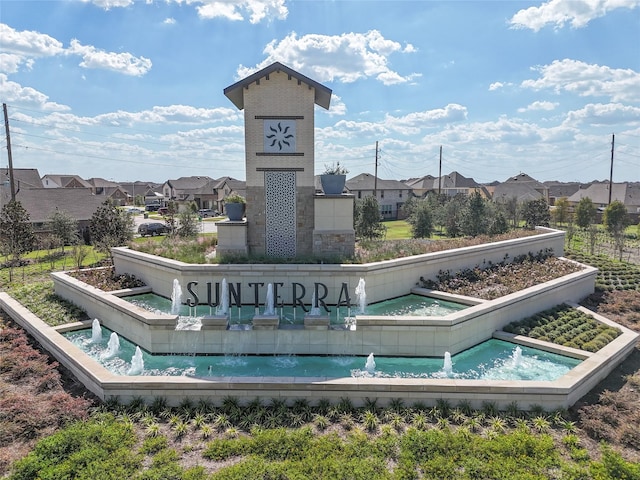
<point>386,279</point>
<point>561,393</point>
<point>279,96</point>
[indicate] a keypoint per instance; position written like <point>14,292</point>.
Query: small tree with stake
<point>110,227</point>
<point>616,220</point>
<point>64,227</point>
<point>368,225</point>
<point>16,233</point>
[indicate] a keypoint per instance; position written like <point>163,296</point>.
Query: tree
<point>453,215</point>
<point>420,220</point>
<point>64,227</point>
<point>615,217</point>
<point>110,227</point>
<point>498,223</point>
<point>409,206</point>
<point>585,213</point>
<point>474,216</point>
<point>616,220</point>
<point>536,213</point>
<point>510,207</point>
<point>368,225</point>
<point>170,217</point>
<point>16,233</point>
<point>188,221</point>
<point>561,212</point>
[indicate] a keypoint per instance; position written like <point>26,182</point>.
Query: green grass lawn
<point>397,229</point>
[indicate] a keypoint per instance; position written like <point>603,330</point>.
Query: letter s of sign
<point>192,302</point>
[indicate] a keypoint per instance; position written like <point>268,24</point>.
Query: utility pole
<point>613,140</point>
<point>11,179</point>
<point>440,173</point>
<point>375,176</point>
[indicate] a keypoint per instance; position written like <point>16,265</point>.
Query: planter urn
<point>235,211</point>
<point>333,184</point>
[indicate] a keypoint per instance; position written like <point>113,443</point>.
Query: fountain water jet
<point>223,308</point>
<point>370,365</point>
<point>96,331</point>
<point>517,357</point>
<point>361,295</point>
<point>113,346</point>
<point>176,297</point>
<point>447,365</point>
<point>269,305</point>
<point>314,310</point>
<point>137,363</point>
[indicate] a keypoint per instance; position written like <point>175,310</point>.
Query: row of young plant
<point>107,448</point>
<point>489,281</point>
<point>612,274</point>
<point>566,326</point>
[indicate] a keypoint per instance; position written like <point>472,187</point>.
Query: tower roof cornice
<point>234,92</point>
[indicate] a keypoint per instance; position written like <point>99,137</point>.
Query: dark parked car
<point>152,229</point>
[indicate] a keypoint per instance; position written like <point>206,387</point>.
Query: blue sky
<point>133,90</point>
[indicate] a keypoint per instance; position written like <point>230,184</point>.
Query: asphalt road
<point>206,226</point>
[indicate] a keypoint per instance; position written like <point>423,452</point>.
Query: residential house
<point>206,192</point>
<point>41,203</point>
<point>450,185</point>
<point>390,194</point>
<point>109,189</point>
<point>520,187</point>
<point>22,178</point>
<point>64,181</point>
<point>227,186</point>
<point>140,189</point>
<point>598,193</point>
<point>558,190</point>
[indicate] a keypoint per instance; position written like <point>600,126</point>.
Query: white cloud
<point>337,106</point>
<point>560,12</point>
<point>238,10</point>
<point>587,80</point>
<point>169,21</point>
<point>22,47</point>
<point>124,63</point>
<point>599,114</point>
<point>345,58</point>
<point>109,4</point>
<point>12,92</point>
<point>495,86</point>
<point>538,105</point>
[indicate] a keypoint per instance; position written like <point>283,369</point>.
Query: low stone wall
<point>384,335</point>
<point>387,279</point>
<point>550,395</point>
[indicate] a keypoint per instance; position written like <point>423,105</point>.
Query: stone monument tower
<point>278,105</point>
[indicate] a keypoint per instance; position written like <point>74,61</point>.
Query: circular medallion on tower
<point>279,136</point>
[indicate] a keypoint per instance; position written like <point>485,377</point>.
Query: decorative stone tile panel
<point>280,213</point>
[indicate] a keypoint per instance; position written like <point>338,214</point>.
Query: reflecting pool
<point>490,360</point>
<point>407,305</point>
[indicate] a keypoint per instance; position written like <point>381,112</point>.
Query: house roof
<point>559,190</point>
<point>41,203</point>
<point>521,191</point>
<point>189,183</point>
<point>524,178</point>
<point>629,194</point>
<point>235,92</point>
<point>64,180</point>
<point>23,177</point>
<point>453,180</point>
<point>366,181</point>
<point>101,182</point>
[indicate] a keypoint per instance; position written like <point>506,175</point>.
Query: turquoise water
<point>492,360</point>
<point>411,305</point>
